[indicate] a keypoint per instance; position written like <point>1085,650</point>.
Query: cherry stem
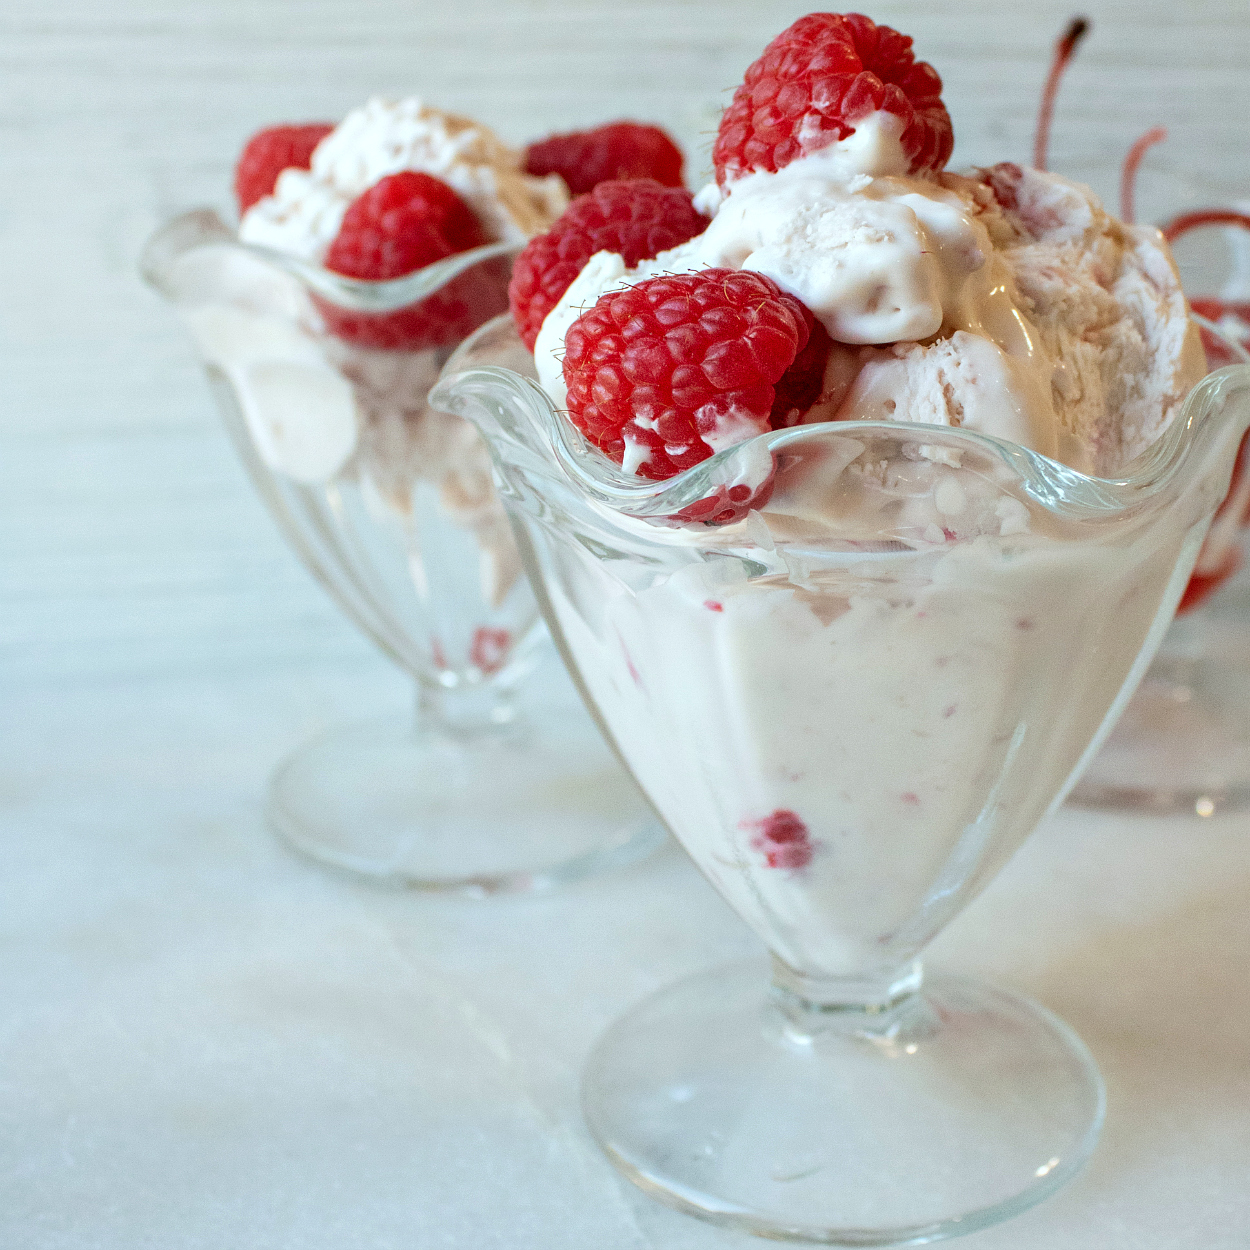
<point>1065,47</point>
<point>1128,174</point>
<point>1183,223</point>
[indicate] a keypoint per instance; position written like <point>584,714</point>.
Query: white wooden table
<point>205,1043</point>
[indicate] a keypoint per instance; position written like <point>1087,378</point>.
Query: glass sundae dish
<point>851,720</point>
<point>322,325</point>
<point>1183,743</point>
<point>857,514</point>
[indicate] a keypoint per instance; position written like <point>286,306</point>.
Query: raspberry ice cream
<point>819,684</point>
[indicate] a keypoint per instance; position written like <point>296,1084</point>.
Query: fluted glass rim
<point>1065,492</point>
<point>203,227</point>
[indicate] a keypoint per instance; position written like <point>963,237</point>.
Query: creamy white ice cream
<point>852,741</point>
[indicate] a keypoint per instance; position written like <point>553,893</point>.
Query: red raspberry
<point>674,360</point>
<point>802,382</point>
<point>638,219</point>
<point>401,224</point>
<point>621,150</point>
<point>268,153</point>
<point>819,77</point>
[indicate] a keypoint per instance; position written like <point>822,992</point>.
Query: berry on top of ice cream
<point>816,81</point>
<point>396,186</point>
<point>402,223</point>
<point>270,151</point>
<point>618,151</point>
<point>662,374</point>
<point>636,219</point>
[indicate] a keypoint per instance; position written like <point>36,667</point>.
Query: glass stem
<point>466,712</point>
<point>870,1004</point>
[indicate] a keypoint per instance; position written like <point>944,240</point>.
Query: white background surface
<point>205,1043</point>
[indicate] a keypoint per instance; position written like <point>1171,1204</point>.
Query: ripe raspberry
<point>657,370</point>
<point>801,384</point>
<point>268,153</point>
<point>815,81</point>
<point>401,224</point>
<point>638,219</point>
<point>621,150</point>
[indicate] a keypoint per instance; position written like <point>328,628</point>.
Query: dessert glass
<point>392,507</point>
<point>850,708</point>
<point>1183,743</point>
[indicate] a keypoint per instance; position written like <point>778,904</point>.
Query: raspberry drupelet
<point>638,218</point>
<point>815,81</point>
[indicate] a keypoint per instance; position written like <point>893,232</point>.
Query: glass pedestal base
<point>1183,743</point>
<point>957,1108</point>
<point>525,809</point>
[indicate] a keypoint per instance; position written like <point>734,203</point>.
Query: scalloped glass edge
<point>1061,490</point>
<point>203,227</point>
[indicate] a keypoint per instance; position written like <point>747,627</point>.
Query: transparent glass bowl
<point>392,507</point>
<point>850,705</point>
<point>1183,743</point>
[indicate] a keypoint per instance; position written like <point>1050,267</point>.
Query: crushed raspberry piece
<point>656,370</point>
<point>638,219</point>
<point>489,648</point>
<point>617,151</point>
<point>782,838</point>
<point>403,223</point>
<point>815,81</point>
<point>1004,181</point>
<point>270,151</point>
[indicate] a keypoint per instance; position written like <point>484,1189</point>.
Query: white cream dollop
<point>384,137</point>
